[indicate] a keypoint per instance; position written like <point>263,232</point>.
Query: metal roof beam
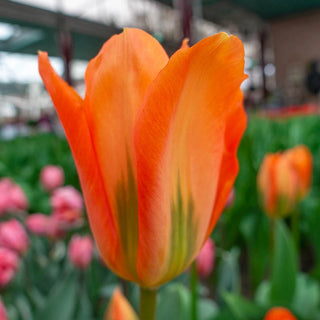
<point>31,16</point>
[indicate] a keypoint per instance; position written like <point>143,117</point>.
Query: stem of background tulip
<point>295,219</point>
<point>194,293</point>
<point>148,303</point>
<point>272,236</point>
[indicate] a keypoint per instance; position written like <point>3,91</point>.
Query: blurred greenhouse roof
<point>26,28</point>
<point>31,29</point>
<point>265,9</point>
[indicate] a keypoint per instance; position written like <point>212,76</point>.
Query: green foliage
<point>23,158</point>
<point>243,309</point>
<point>62,300</point>
<point>284,267</point>
<point>175,303</point>
<point>51,290</point>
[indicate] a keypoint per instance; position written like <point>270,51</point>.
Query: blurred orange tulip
<point>119,308</point>
<point>279,313</point>
<point>155,142</point>
<point>284,179</point>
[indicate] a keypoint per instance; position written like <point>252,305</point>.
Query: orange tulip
<point>154,141</point>
<point>119,308</point>
<point>284,179</point>
<point>279,313</point>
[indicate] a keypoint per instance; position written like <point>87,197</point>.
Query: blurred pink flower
<point>13,236</point>
<point>205,259</point>
<point>80,251</point>
<point>51,177</point>
<point>3,311</point>
<point>12,197</point>
<point>9,263</point>
<point>68,218</point>
<point>54,229</point>
<point>66,198</point>
<point>38,223</point>
<point>18,198</point>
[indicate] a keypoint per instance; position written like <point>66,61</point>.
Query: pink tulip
<point>54,229</point>
<point>69,218</point>
<point>3,311</point>
<point>19,199</point>
<point>51,177</point>
<point>13,236</point>
<point>12,197</point>
<point>80,251</point>
<point>9,263</point>
<point>38,223</point>
<point>66,198</point>
<point>205,259</point>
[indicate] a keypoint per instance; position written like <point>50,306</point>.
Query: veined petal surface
<point>181,142</point>
<point>69,106</point>
<point>117,80</point>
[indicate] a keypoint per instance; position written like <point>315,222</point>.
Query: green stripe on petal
<point>183,233</point>
<point>127,205</point>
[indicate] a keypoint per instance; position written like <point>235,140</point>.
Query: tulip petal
<point>119,308</point>
<point>266,181</point>
<point>301,160</point>
<point>117,80</point>
<point>181,141</point>
<point>71,113</point>
<point>236,124</point>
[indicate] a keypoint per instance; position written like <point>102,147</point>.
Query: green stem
<point>272,236</point>
<point>148,303</point>
<point>194,293</point>
<point>295,219</point>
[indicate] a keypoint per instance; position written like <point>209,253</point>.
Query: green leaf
<point>174,303</point>
<point>284,267</point>
<point>243,309</point>
<point>228,273</point>
<point>24,307</point>
<point>262,296</point>
<point>84,310</point>
<point>207,309</point>
<point>62,300</point>
<point>255,229</point>
<point>307,297</point>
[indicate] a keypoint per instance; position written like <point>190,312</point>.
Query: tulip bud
<point>13,236</point>
<point>119,308</point>
<point>9,263</point>
<point>51,177</point>
<point>279,313</point>
<point>37,223</point>
<point>3,311</point>
<point>80,251</point>
<point>284,179</point>
<point>205,259</point>
<point>66,198</point>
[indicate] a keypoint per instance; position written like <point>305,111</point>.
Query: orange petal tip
<point>119,308</point>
